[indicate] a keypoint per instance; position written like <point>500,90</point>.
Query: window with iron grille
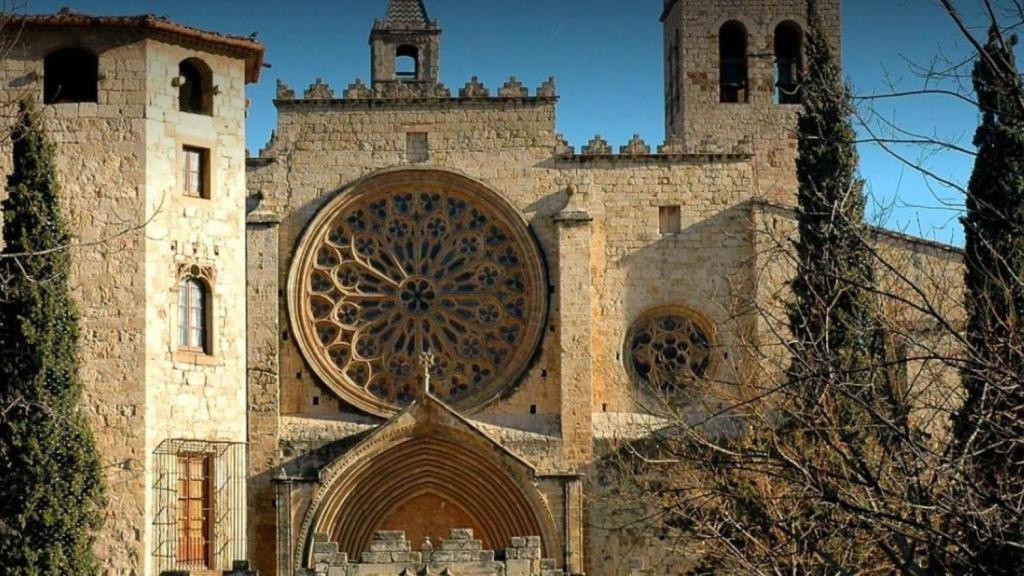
<point>199,515</point>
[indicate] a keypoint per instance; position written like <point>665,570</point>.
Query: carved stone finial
<point>636,147</point>
<point>284,92</point>
<point>562,146</point>
<point>474,89</point>
<point>427,362</point>
<point>672,146</point>
<point>547,89</point>
<point>427,544</point>
<point>513,89</point>
<point>319,90</point>
<point>598,146</point>
<point>358,91</point>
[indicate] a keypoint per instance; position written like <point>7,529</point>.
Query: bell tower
<point>732,79</point>
<point>405,46</point>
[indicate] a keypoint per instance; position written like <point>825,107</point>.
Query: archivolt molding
<point>416,260</point>
<point>427,449</point>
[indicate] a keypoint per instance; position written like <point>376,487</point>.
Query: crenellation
<point>513,88</point>
<point>284,92</point>
<point>597,146</point>
<point>319,90</point>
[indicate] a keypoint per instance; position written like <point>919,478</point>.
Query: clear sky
<point>606,56</point>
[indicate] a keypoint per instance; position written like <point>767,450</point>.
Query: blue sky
<point>607,58</point>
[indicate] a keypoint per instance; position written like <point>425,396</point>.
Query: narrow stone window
<point>416,148</point>
<point>732,52</point>
<point>70,75</point>
<point>195,87</point>
<point>670,220</point>
<point>193,315</point>
<point>195,507</point>
<point>788,62</point>
<point>407,63</point>
<point>196,172</point>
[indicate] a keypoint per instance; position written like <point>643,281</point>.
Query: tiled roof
<point>247,48</point>
<point>406,14</point>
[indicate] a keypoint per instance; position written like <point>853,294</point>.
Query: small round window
<point>668,350</point>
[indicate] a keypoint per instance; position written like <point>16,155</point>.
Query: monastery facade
<point>404,333</point>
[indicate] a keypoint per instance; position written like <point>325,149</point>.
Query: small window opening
<point>195,87</point>
<point>788,62</point>
<point>193,315</point>
<point>604,407</point>
<point>416,147</point>
<point>407,63</point>
<point>196,172</point>
<point>70,75</point>
<point>195,513</point>
<point>732,51</point>
<point>533,408</point>
<point>669,219</point>
<point>316,400</point>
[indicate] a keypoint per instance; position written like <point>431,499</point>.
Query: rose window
<point>668,351</point>
<point>414,263</point>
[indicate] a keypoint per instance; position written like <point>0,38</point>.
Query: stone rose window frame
<point>658,345</point>
<point>413,260</point>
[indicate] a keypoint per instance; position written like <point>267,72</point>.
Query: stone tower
<point>405,46</point>
<point>732,71</point>
<point>147,118</point>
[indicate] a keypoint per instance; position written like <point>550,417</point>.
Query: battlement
<point>637,149</point>
<point>319,92</point>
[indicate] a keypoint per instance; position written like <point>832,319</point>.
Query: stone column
<point>574,287</point>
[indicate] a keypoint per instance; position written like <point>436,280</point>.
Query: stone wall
<point>119,166</point>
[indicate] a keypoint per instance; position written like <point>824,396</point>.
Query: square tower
<point>732,75</point>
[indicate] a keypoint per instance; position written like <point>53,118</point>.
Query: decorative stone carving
<point>513,89</point>
<point>474,89</point>
<point>669,349</point>
<point>635,147</point>
<point>284,92</point>
<point>672,146</point>
<point>319,90</point>
<point>598,146</point>
<point>416,262</point>
<point>547,89</point>
<point>358,91</point>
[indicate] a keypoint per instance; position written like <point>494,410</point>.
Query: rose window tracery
<point>669,350</point>
<point>411,264</point>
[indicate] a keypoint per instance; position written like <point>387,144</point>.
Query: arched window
<point>789,39</point>
<point>195,88</point>
<point>70,75</point>
<point>407,62</point>
<point>193,315</point>
<point>732,52</point>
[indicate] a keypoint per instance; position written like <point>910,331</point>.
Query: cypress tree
<point>51,494</point>
<point>989,427</point>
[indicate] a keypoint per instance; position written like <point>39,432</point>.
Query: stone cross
<point>427,361</point>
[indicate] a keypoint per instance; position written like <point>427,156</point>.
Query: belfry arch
<point>426,472</point>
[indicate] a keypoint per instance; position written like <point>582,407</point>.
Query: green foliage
<point>990,426</point>
<point>51,494</point>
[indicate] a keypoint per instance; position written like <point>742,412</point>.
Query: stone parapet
<point>391,553</point>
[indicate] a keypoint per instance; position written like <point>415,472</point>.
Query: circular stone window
<point>410,262</point>
<point>669,349</point>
